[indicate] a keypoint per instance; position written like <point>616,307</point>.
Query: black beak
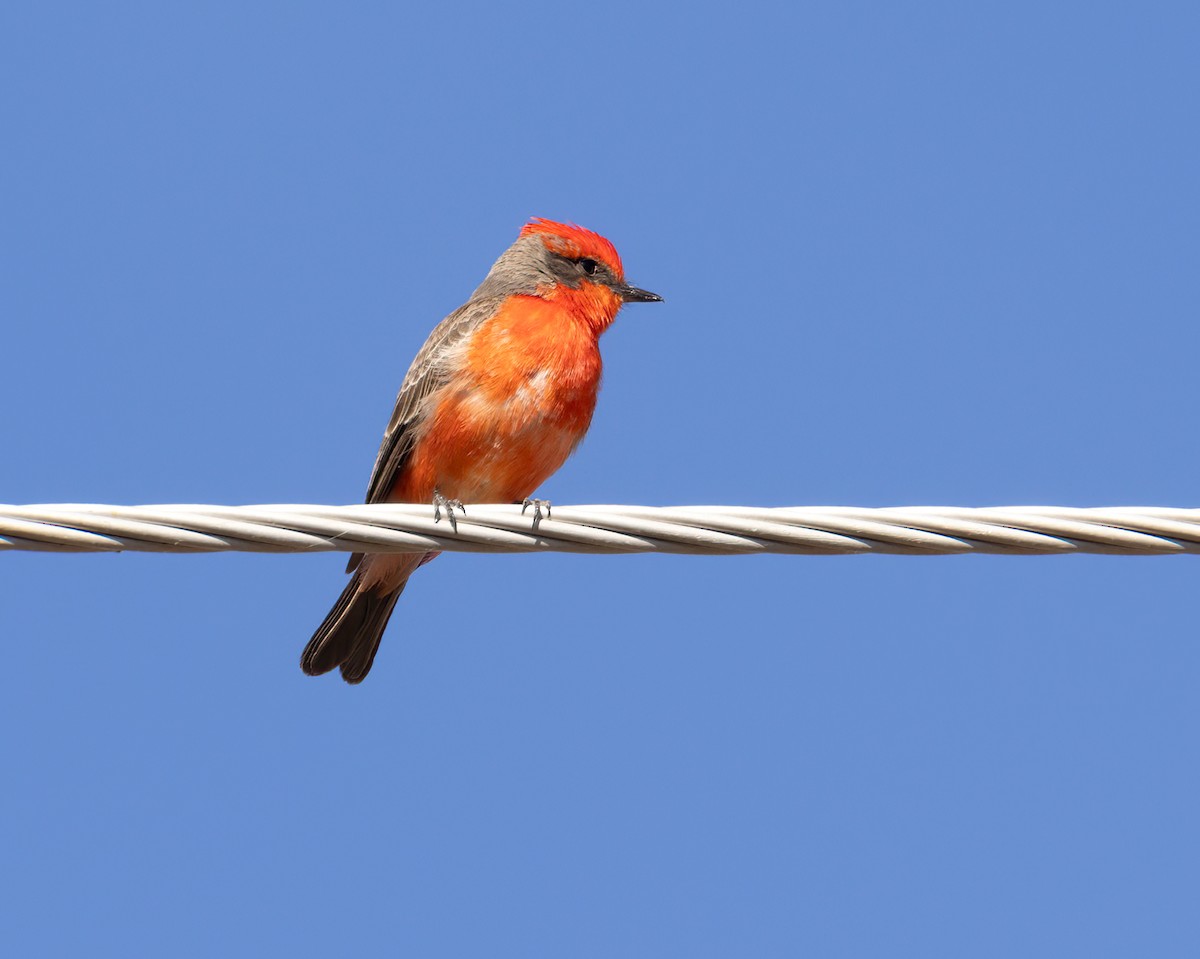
<point>631,294</point>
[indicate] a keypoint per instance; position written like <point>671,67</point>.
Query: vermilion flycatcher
<point>496,400</point>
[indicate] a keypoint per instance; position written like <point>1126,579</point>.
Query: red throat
<point>593,304</point>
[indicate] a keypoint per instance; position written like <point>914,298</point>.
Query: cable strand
<point>699,530</point>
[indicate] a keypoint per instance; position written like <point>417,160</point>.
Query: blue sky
<point>912,254</point>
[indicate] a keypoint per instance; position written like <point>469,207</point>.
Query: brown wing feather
<point>430,369</point>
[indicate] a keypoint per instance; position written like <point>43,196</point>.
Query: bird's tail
<point>350,635</point>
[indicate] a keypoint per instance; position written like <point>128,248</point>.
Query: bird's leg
<point>440,502</point>
<point>537,505</point>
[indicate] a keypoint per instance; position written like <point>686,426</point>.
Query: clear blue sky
<point>929,253</point>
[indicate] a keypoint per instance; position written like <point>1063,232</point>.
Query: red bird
<point>496,400</point>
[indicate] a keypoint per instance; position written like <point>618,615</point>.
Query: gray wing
<point>431,369</point>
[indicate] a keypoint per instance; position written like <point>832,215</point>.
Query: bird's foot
<point>538,505</point>
<point>440,502</point>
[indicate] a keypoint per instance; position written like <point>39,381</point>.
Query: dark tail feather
<point>351,633</point>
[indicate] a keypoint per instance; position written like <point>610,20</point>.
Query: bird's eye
<point>589,266</point>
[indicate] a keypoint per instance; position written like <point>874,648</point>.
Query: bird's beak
<point>631,294</point>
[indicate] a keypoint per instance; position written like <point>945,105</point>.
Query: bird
<point>501,393</point>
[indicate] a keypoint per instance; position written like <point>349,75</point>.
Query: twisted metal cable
<point>703,530</point>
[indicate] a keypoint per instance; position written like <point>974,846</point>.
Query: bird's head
<point>566,263</point>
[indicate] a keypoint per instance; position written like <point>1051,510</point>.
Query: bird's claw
<point>441,502</point>
<point>537,505</point>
